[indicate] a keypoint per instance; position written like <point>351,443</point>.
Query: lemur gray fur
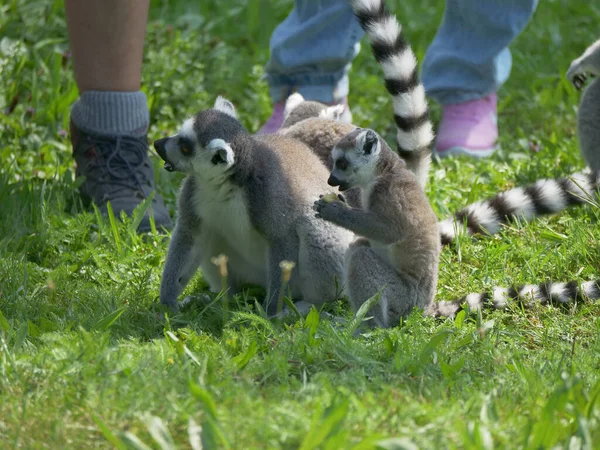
<point>588,115</point>
<point>249,197</point>
<point>315,124</point>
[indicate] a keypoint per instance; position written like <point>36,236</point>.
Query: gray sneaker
<point>117,169</point>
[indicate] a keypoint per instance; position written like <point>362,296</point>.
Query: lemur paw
<point>577,74</point>
<point>328,206</point>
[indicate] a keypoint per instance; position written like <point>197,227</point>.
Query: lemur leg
<point>321,256</point>
<point>183,258</point>
<point>283,249</point>
<point>366,274</point>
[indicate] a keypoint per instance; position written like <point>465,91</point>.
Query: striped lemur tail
<point>414,130</point>
<point>546,196</point>
<point>498,298</point>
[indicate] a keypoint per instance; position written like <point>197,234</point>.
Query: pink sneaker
<point>468,128</point>
<point>276,120</point>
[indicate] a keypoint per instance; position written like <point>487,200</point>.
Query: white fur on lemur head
<point>203,143</point>
<point>355,159</point>
<point>298,109</point>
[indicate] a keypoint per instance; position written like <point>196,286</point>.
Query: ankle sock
<point>112,113</point>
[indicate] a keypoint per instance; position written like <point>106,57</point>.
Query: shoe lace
<point>120,166</point>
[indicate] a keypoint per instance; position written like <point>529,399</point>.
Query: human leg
<point>110,119</point>
<point>466,64</point>
<point>311,53</point>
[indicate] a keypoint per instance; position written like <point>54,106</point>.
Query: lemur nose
<point>333,181</point>
<point>159,146</point>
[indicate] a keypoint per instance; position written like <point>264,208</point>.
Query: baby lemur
<point>399,246</point>
<point>250,198</point>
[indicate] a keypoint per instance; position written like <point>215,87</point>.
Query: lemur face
<point>355,159</point>
<point>201,144</point>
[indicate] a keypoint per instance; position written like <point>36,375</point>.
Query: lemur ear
<point>292,101</point>
<point>225,106</point>
<point>222,152</point>
<point>370,142</point>
<point>333,112</point>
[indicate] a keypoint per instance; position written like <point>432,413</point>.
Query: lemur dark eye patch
<point>341,163</point>
<point>186,147</point>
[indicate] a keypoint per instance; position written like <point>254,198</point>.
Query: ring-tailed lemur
<point>498,298</point>
<point>398,248</point>
<point>250,198</point>
<point>315,124</point>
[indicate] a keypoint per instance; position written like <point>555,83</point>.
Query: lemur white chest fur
<point>224,209</point>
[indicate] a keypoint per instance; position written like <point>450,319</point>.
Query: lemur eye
<point>341,163</point>
<point>185,149</point>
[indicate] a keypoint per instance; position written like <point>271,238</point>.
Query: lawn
<point>87,360</point>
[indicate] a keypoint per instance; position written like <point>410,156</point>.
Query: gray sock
<point>112,113</point>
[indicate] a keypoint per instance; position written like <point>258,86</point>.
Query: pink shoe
<point>275,121</point>
<point>468,128</point>
<point>277,117</point>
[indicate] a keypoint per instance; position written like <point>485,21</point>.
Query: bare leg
<point>109,121</point>
<point>107,40</point>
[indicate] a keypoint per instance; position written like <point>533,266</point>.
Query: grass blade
<point>109,319</point>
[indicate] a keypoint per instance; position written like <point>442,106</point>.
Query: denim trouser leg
<point>469,57</point>
<point>312,49</point>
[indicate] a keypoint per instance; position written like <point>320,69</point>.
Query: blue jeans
<point>313,48</point>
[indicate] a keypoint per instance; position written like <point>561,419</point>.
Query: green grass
<point>87,360</point>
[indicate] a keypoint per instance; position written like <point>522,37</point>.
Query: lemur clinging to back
<point>399,245</point>
<point>249,197</point>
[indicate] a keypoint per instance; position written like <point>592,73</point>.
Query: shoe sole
<point>458,151</point>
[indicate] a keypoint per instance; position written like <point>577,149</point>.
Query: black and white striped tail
<point>399,64</point>
<point>553,293</point>
<point>547,196</point>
